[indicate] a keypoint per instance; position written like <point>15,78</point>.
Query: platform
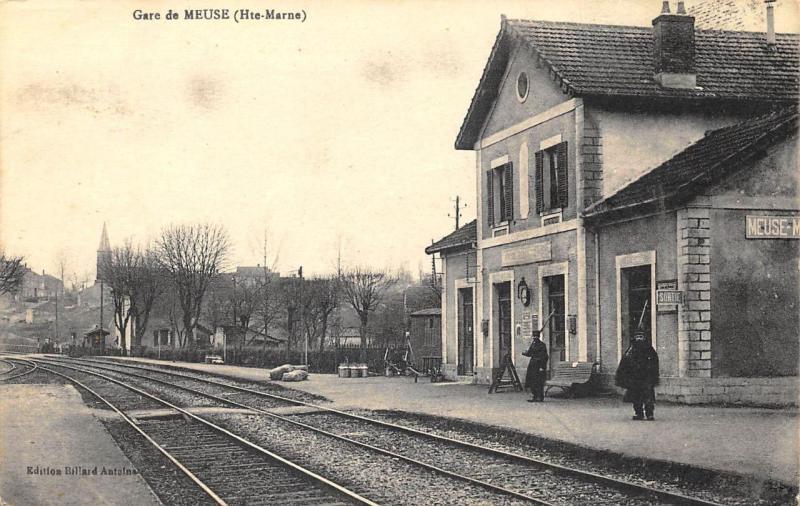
<point>48,437</point>
<point>751,441</point>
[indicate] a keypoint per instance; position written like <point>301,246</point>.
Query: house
<point>569,115</point>
<point>38,287</point>
<point>232,335</point>
<point>349,337</point>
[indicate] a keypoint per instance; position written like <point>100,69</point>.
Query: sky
<point>335,134</point>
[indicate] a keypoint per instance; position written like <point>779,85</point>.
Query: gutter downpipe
<point>598,356</point>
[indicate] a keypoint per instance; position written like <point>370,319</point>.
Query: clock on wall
<point>523,292</point>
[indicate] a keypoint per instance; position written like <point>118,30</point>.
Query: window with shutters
<point>500,194</point>
<point>551,179</point>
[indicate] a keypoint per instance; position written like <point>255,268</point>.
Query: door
<point>466,332</point>
<point>639,306</point>
<point>503,291</point>
<point>556,330</point>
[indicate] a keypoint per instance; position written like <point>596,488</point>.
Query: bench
<point>432,365</point>
<point>568,375</point>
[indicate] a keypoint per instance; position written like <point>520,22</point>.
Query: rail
<point>672,497</point>
<point>393,455</point>
<point>240,440</point>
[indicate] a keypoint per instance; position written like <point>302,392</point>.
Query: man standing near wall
<point>535,375</point>
<point>638,373</point>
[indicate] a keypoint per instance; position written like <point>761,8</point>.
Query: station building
<point>633,177</point>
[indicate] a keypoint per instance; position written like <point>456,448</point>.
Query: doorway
<point>556,330</point>
<point>466,332</point>
<point>503,292</point>
<point>635,284</point>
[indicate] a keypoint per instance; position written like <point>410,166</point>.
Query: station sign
<point>526,324</point>
<point>772,227</point>
<point>533,253</point>
<point>668,297</point>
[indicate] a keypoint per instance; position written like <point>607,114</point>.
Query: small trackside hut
<point>425,339</point>
<point>579,133</point>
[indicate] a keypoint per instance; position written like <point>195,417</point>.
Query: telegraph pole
<point>303,318</point>
<point>457,214</point>
<point>56,336</point>
<point>235,323</point>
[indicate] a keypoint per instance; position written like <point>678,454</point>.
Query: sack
<point>278,372</point>
<point>298,375</point>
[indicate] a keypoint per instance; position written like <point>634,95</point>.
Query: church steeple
<point>103,252</point>
<point>104,245</point>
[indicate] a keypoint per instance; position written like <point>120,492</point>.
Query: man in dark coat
<point>638,374</point>
<point>537,368</point>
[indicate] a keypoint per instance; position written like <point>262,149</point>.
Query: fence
<point>318,362</point>
<point>18,348</point>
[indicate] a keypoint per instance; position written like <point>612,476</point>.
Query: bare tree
<point>363,289</point>
<point>236,302</point>
<point>62,264</point>
<point>244,303</point>
<point>12,272</point>
<point>218,296</point>
<point>323,299</point>
<point>270,302</point>
<point>167,304</point>
<point>192,255</point>
<point>118,273</point>
<point>147,285</point>
<point>79,280</point>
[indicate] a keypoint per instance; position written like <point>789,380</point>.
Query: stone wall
<point>746,391</point>
<point>767,392</point>
<point>591,152</point>
<point>694,279</point>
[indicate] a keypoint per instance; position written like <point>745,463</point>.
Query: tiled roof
<point>617,61</point>
<point>434,311</point>
<point>464,236</point>
<point>714,156</point>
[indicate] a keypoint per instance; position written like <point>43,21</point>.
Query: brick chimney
<point>673,43</point>
<point>770,23</point>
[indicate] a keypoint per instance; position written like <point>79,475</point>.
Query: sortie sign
<point>773,227</point>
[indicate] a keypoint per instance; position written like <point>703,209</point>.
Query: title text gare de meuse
<point>632,178</point>
<point>217,14</point>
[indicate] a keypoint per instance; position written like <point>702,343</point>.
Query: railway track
<point>521,476</point>
<point>26,368</point>
<point>228,468</point>
<point>303,442</point>
<point>6,367</point>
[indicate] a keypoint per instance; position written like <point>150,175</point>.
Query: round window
<point>522,86</point>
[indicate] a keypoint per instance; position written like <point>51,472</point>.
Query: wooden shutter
<point>508,211</point>
<point>563,183</point>
<point>490,194</point>
<point>539,181</point>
